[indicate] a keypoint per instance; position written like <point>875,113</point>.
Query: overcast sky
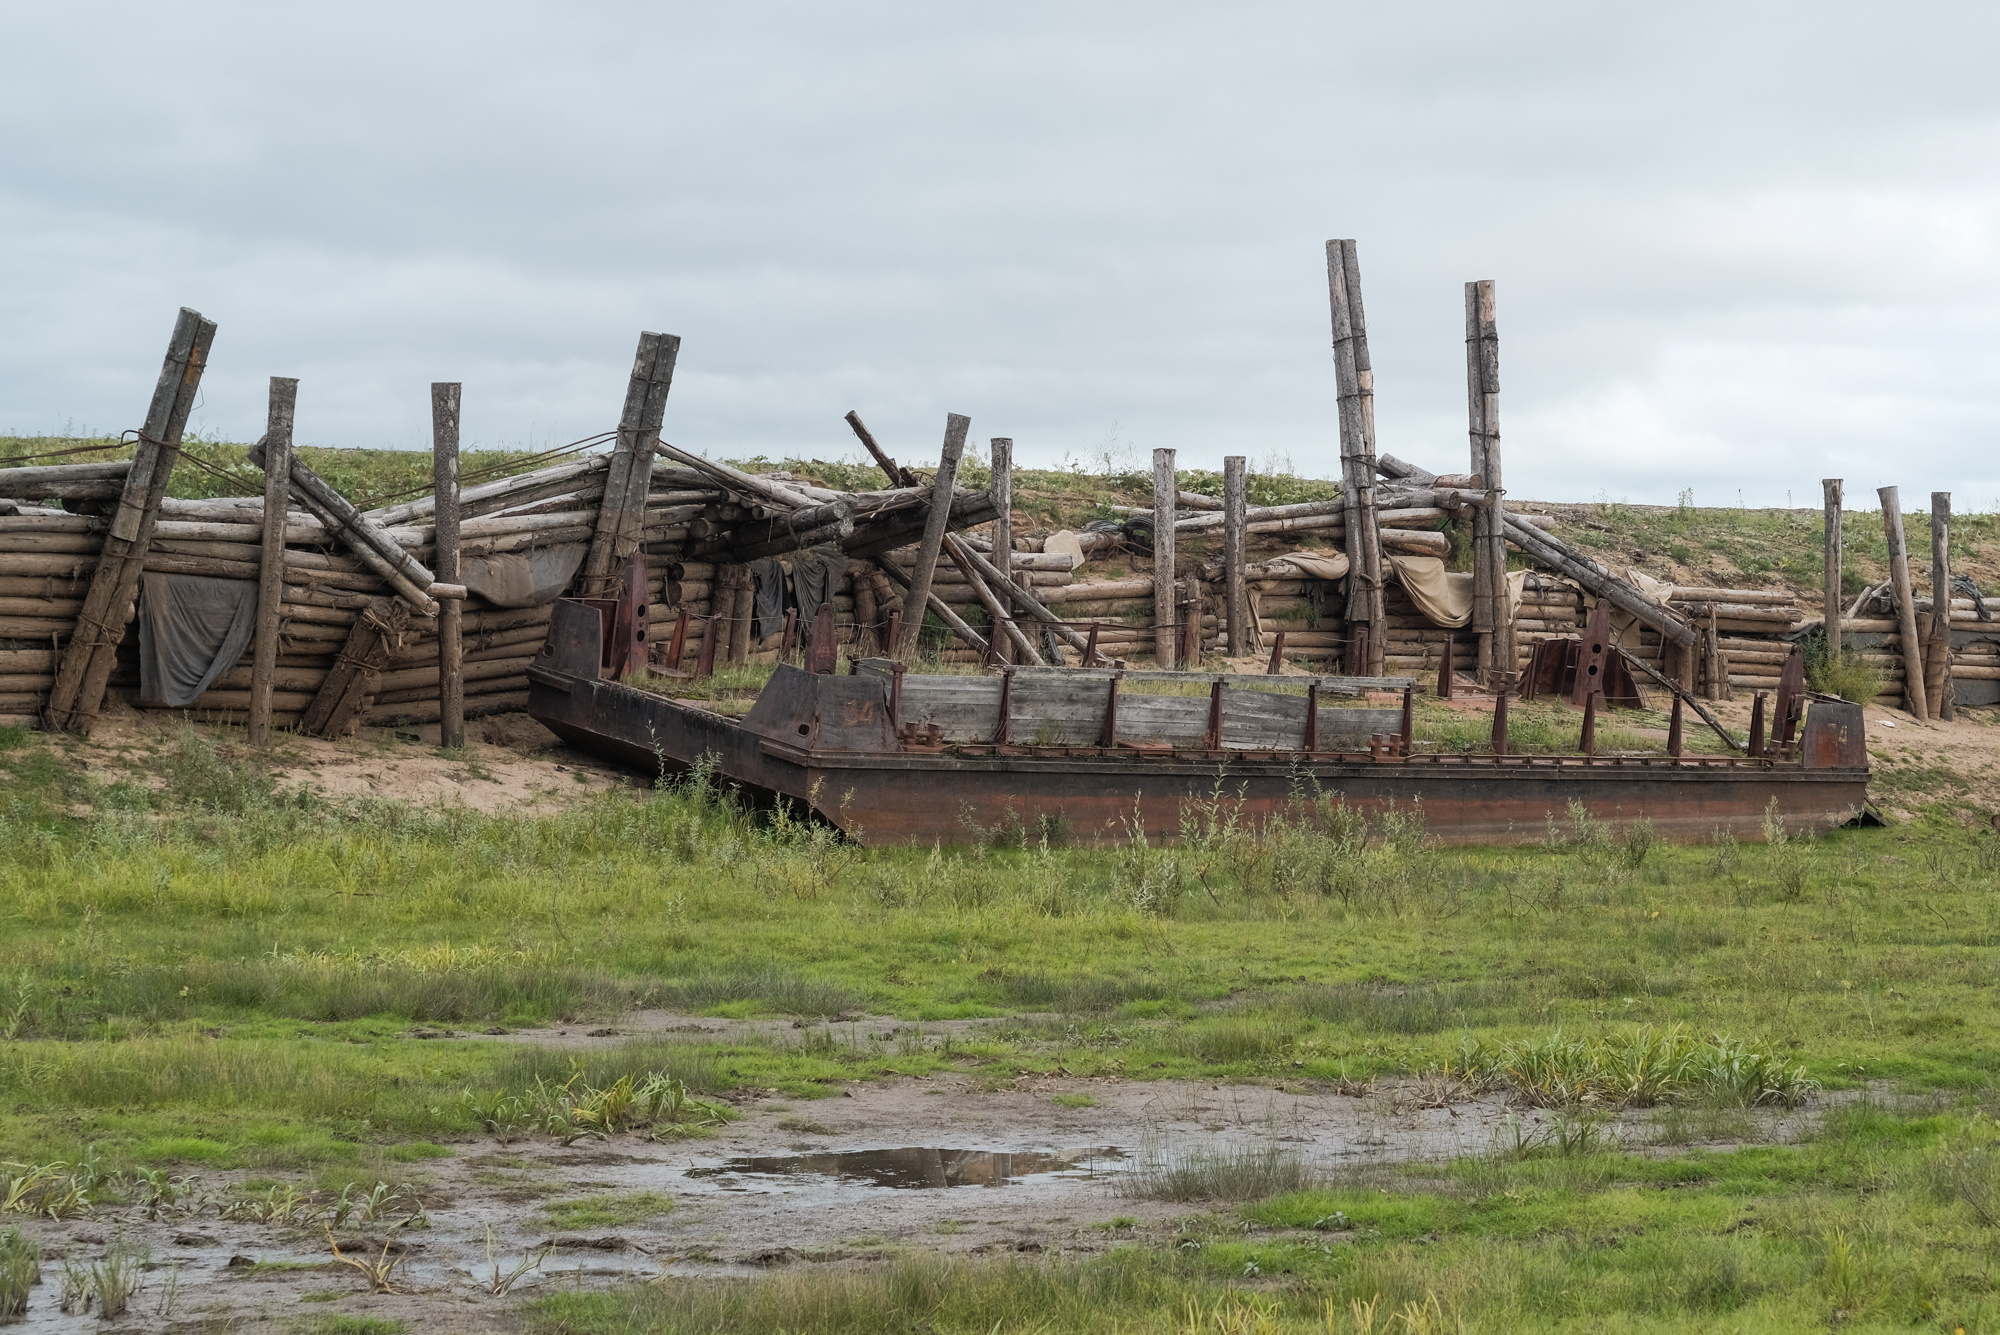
<point>1738,247</point>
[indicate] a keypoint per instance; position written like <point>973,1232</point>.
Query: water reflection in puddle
<point>921,1167</point>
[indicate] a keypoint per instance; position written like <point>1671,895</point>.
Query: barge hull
<point>819,742</point>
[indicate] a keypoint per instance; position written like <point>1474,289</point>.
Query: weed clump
<point>1646,1066</point>
<point>1236,1174</point>
<point>20,1270</point>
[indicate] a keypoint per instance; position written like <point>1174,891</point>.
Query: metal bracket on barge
<point>892,757</point>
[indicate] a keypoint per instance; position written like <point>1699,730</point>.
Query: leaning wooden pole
<point>1235,505</point>
<point>445,398</point>
<point>278,418</point>
<point>1830,489</point>
<point>92,651</point>
<point>621,515</point>
<point>1937,653</point>
<point>1355,380</point>
<point>1906,606</point>
<point>1165,491</point>
<point>936,523</point>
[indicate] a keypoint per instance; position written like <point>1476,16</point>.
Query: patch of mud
<point>792,1182</point>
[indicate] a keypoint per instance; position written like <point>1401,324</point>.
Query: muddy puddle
<point>907,1168</point>
<point>1041,1166</point>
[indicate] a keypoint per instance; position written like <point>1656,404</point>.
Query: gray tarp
<point>769,608</point>
<point>192,629</point>
<point>814,573</point>
<point>523,579</point>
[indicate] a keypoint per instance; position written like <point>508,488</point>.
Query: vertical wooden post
<point>1003,529</point>
<point>86,662</point>
<point>1482,407</point>
<point>936,522</point>
<point>1674,729</point>
<point>867,635</point>
<point>445,397</point>
<point>1937,654</point>
<point>621,516</point>
<point>1003,500</point>
<point>1165,492</point>
<point>278,417</point>
<point>742,611</point>
<point>1356,382</point>
<point>1830,489</point>
<point>1914,698</point>
<point>1235,531</point>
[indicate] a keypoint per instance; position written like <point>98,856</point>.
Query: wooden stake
<point>937,522</point>
<point>1830,489</point>
<point>86,663</point>
<point>899,476</point>
<point>445,397</point>
<point>1355,379</point>
<point>351,683</point>
<point>1235,504</point>
<point>278,417</point>
<point>912,615</point>
<point>621,515</point>
<point>1937,654</point>
<point>1004,626</point>
<point>1914,698</point>
<point>1165,491</point>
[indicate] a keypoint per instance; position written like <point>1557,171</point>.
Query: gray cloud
<point>1738,247</point>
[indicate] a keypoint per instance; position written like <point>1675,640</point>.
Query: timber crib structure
<point>299,609</point>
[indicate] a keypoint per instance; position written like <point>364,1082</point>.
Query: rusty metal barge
<point>895,758</point>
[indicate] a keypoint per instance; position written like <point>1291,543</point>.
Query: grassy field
<point>205,970</point>
<point>202,970</point>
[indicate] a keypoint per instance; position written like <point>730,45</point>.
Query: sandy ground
<point>941,1165</point>
<point>510,762</point>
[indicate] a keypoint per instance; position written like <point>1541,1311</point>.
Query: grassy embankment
<point>206,971</point>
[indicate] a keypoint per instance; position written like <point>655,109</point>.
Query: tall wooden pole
<point>1003,524</point>
<point>1830,489</point>
<point>936,522</point>
<point>1906,604</point>
<point>445,397</point>
<point>1937,654</point>
<point>278,417</point>
<point>1235,530</point>
<point>1356,382</point>
<point>621,514</point>
<point>1492,618</point>
<point>92,651</point>
<point>1165,491</point>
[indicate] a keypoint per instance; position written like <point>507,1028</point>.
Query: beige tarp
<point>523,579</point>
<point>1064,543</point>
<point>1443,597</point>
<point>1313,565</point>
<point>1623,622</point>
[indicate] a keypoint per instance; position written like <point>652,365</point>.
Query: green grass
<point>607,1211</point>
